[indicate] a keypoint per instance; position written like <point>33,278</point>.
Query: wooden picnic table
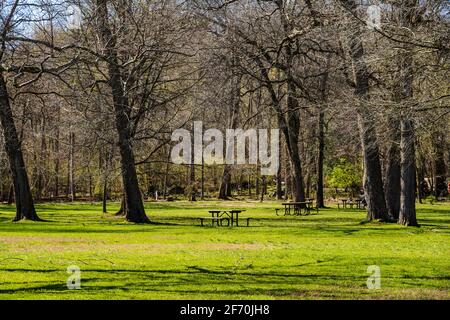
<point>232,215</point>
<point>357,202</point>
<point>297,207</point>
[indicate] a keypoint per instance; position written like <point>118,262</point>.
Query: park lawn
<point>323,256</point>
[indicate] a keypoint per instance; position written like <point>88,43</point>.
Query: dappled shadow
<point>167,280</point>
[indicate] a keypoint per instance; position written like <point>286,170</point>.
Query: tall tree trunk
<point>57,160</point>
<point>71,166</point>
<point>440,170</point>
<point>104,195</point>
<point>320,159</point>
<point>166,175</point>
<point>192,188</point>
<point>392,184</point>
<point>373,184</point>
<point>23,197</point>
<point>106,167</point>
<point>290,127</point>
<point>407,214</point>
<point>233,119</point>
<point>257,186</point>
<point>202,182</point>
<point>134,209</point>
<point>293,124</point>
<point>320,201</point>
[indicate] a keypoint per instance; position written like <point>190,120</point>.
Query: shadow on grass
<point>161,280</point>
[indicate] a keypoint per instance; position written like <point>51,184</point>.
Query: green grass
<point>322,256</point>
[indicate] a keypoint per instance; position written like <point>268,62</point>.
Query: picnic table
<point>218,217</point>
<point>357,202</point>
<point>296,208</point>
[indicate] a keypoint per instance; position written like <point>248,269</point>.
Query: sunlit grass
<point>323,256</point>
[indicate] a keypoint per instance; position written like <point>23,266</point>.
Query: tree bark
<point>392,184</point>
<point>24,200</point>
<point>407,215</point>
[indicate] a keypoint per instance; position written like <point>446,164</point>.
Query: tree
<point>373,182</point>
<point>23,197</point>
<point>407,214</point>
<point>134,210</point>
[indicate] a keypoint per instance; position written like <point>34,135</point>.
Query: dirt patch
<point>66,244</point>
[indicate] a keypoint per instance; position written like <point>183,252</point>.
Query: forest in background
<point>91,91</point>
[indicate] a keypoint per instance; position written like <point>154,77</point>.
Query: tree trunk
<point>192,188</point>
<point>57,161</point>
<point>320,159</point>
<point>407,200</point>
<point>373,184</point>
<point>104,195</point>
<point>320,201</point>
<point>42,161</point>
<point>392,184</point>
<point>233,118</point>
<point>420,172</point>
<point>71,166</point>
<point>106,167</point>
<point>263,181</point>
<point>23,197</point>
<point>225,189</point>
<point>11,195</point>
<point>166,175</point>
<point>202,182</point>
<point>257,187</point>
<point>290,128</point>
<point>134,206</point>
<point>440,170</point>
<point>279,192</point>
<point>407,214</point>
<point>287,178</point>
<point>293,125</point>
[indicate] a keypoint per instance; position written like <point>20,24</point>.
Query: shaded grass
<point>323,256</point>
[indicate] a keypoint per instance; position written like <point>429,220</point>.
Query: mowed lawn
<point>323,256</point>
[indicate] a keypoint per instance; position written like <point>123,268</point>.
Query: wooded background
<point>90,92</point>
